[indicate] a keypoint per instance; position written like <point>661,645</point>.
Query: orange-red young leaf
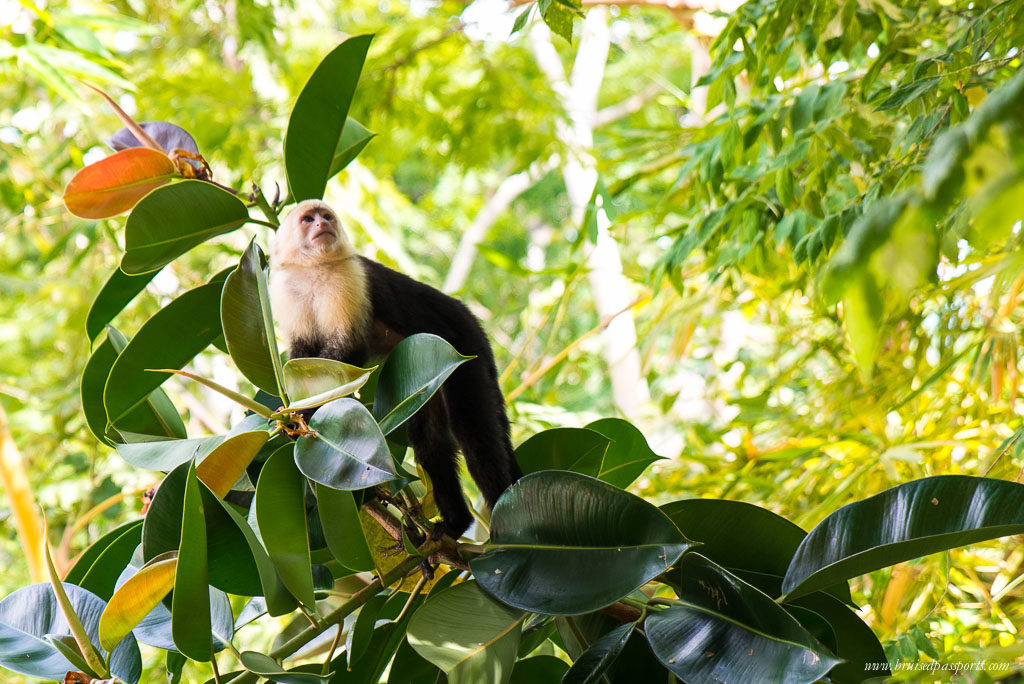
<point>115,184</point>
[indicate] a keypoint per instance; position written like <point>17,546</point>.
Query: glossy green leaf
<point>98,566</point>
<point>230,563</point>
<point>278,600</point>
<point>115,184</point>
<point>266,666</point>
<point>136,598</point>
<point>354,137</point>
<point>467,634</point>
<point>726,630</point>
<point>29,614</point>
<point>154,416</point>
<point>190,602</point>
<point>313,382</point>
<point>318,118</point>
<point>173,219</point>
<point>628,454</point>
<point>170,339</point>
<point>249,325</point>
<point>855,642</point>
<point>339,516</point>
<point>592,664</point>
<point>905,522</point>
<point>361,633</point>
<point>553,527</point>
<point>281,514</point>
<point>348,451</point>
<point>227,462</point>
<point>166,454</point>
<point>574,449</point>
<point>769,540</point>
<point>415,369</point>
<point>117,292</point>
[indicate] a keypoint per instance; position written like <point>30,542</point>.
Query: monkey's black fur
<point>469,410</point>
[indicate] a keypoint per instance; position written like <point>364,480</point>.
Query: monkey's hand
<point>302,429</point>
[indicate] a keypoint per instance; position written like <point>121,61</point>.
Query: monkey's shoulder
<point>406,306</point>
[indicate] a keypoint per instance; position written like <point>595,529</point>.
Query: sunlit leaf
<point>114,185</point>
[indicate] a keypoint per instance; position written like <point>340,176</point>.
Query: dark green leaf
<point>342,529</point>
<point>855,642</point>
<point>117,292</point>
<point>416,368</point>
<point>722,623</point>
<point>576,449</point>
<point>318,119</point>
<point>155,416</point>
<point>348,451</point>
<point>99,565</point>
<point>281,515</point>
<point>354,137</point>
<point>248,324</point>
<point>170,339</point>
<point>592,664</point>
<point>173,219</point>
<point>268,667</point>
<point>553,527</point>
<point>908,521</point>
<point>539,668</point>
<point>628,454</point>
<point>190,600</point>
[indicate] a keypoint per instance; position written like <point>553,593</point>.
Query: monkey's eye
<point>307,218</point>
<point>327,217</point>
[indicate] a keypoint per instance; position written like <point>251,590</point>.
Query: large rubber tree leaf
<point>553,527</point>
<point>115,184</point>
<point>343,531</point>
<point>415,369</point>
<point>169,339</point>
<point>768,540</point>
<point>248,324</point>
<point>172,220</point>
<point>99,565</point>
<point>266,666</point>
<point>592,664</point>
<point>227,462</point>
<point>728,631</point>
<point>908,521</point>
<point>855,642</point>
<point>278,600</point>
<point>167,454</point>
<point>119,289</point>
<point>313,382</point>
<point>190,602</point>
<point>627,456</point>
<point>30,614</point>
<point>230,563</point>
<point>575,449</point>
<point>155,416</point>
<point>467,634</point>
<point>281,515</point>
<point>318,118</point>
<point>348,451</point>
<point>354,137</point>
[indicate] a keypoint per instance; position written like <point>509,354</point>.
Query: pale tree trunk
<point>609,286</point>
<point>510,188</point>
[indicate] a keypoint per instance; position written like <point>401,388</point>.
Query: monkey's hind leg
<point>435,450</point>
<point>478,420</point>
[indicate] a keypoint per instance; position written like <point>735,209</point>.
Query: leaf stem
<point>339,613</point>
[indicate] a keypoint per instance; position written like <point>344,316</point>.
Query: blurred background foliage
<point>820,314</point>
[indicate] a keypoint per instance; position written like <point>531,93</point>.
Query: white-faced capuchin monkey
<point>333,303</point>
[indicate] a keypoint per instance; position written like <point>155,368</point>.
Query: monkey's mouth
<point>322,235</point>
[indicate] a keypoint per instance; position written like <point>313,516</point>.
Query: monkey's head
<point>310,233</point>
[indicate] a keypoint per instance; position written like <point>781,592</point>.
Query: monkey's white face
<point>310,231</point>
